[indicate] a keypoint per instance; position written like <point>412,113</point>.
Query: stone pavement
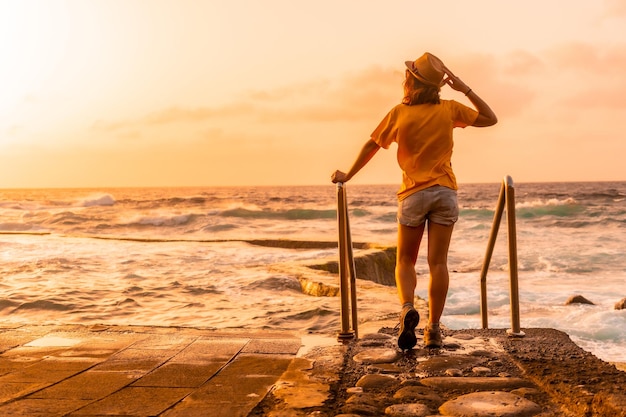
<point>138,371</point>
<point>75,370</point>
<point>477,373</point>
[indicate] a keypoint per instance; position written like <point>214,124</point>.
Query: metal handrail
<point>347,281</point>
<point>506,198</point>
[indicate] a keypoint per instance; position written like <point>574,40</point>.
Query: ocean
<point>207,257</point>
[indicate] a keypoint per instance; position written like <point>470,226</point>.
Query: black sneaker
<point>409,319</point>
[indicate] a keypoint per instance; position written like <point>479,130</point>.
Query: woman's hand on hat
<point>455,82</point>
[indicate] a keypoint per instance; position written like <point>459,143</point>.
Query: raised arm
<point>367,152</point>
<point>486,116</point>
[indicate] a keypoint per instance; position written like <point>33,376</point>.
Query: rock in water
<point>621,304</point>
<point>578,299</point>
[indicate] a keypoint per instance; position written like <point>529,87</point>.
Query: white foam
<point>98,200</point>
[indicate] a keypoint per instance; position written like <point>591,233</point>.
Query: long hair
<point>416,92</point>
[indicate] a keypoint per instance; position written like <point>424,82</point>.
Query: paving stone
<point>376,336</point>
<point>361,409</point>
<point>454,372</point>
<point>481,370</point>
<point>379,355</point>
<point>210,350</point>
<point>90,385</point>
<point>373,343</point>
<point>53,340</point>
<point>179,375</point>
<point>482,353</point>
<point>135,360</point>
<point>417,393</point>
<point>375,340</point>
<point>13,390</point>
<point>475,383</point>
<point>273,346</point>
<point>135,401</point>
<point>385,368</point>
<point>367,399</point>
<point>12,338</point>
<point>116,341</point>
<point>490,404</point>
<point>41,407</point>
<point>86,353</point>
<point>8,366</point>
<point>411,382</point>
<point>164,342</point>
<point>463,336</point>
<point>46,371</point>
<point>236,389</point>
<point>437,364</point>
<point>407,410</point>
<point>33,354</point>
<point>375,381</point>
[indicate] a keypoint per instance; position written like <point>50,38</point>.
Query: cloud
<point>574,75</point>
<point>589,58</point>
<point>304,89</point>
<point>587,76</point>
<point>175,115</point>
<point>615,8</point>
<point>356,96</point>
<point>611,98</point>
<point>521,63</point>
<point>503,82</point>
<point>14,130</point>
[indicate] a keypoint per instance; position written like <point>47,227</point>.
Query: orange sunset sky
<point>99,93</point>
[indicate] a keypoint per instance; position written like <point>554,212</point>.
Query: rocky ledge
<point>477,373</point>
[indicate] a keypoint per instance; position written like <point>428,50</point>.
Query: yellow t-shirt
<point>423,133</point>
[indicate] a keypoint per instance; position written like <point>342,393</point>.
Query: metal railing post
<point>346,267</point>
<point>497,218</point>
<point>512,236</point>
<point>352,272</point>
<point>506,198</point>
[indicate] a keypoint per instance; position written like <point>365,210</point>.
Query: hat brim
<point>410,65</point>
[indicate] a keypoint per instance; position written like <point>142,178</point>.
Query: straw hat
<point>427,68</point>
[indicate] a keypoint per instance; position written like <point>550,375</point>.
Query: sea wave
<point>14,227</point>
<point>477,213</point>
<point>98,200</point>
<point>549,209</point>
<point>67,218</point>
<point>171,221</point>
<point>291,214</point>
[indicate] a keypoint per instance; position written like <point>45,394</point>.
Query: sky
<point>110,93</point>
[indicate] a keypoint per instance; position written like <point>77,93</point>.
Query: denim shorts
<point>437,204</point>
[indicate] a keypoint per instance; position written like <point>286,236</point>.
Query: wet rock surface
<point>477,373</point>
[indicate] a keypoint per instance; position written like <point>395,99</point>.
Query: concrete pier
<point>101,370</point>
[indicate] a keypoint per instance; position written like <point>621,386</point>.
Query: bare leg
<point>409,239</point>
<point>438,244</point>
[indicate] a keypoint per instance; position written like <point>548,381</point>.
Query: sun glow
<point>181,92</point>
<point>34,38</point>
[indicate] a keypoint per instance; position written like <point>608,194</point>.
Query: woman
<point>422,127</point>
